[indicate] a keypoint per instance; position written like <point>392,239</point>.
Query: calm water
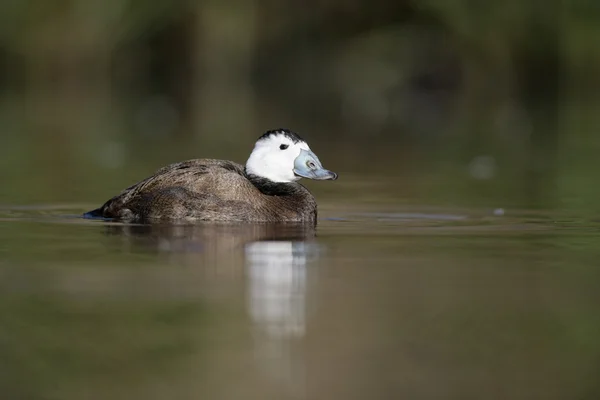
<point>378,304</point>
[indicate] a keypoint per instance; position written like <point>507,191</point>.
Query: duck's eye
<point>283,147</point>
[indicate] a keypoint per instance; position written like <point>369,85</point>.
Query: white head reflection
<point>277,286</point>
<point>278,283</point>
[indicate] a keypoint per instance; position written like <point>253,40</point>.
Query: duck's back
<point>209,190</point>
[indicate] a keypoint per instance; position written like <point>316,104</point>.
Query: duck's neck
<point>271,188</point>
<point>287,201</point>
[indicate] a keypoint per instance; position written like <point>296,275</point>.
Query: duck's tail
<point>94,214</point>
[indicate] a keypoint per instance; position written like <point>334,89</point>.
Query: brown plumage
<point>209,190</point>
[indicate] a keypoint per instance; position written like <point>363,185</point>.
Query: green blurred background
<point>460,103</point>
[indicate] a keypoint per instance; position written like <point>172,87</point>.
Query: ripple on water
<point>362,220</point>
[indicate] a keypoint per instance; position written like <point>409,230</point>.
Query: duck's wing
<point>195,175</point>
<point>192,186</point>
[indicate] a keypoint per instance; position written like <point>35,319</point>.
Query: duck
<point>266,189</point>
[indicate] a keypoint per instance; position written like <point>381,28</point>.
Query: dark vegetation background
<point>463,103</point>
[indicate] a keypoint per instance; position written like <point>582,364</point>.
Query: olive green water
<point>378,304</point>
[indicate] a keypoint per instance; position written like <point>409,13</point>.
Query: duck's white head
<point>283,156</point>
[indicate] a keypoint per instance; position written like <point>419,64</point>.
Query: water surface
<point>383,303</point>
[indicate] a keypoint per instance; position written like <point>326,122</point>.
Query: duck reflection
<point>274,263</point>
<point>209,238</point>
